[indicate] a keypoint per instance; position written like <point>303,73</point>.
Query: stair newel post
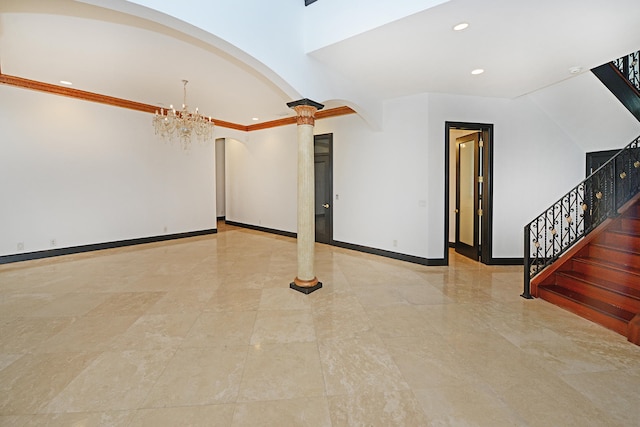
<point>527,262</point>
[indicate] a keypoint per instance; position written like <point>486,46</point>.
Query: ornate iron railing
<point>629,67</point>
<point>580,211</point>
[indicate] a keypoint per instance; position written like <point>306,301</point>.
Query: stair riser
<point>622,241</point>
<point>630,225</point>
<point>611,255</point>
<point>625,302</point>
<point>605,273</point>
<point>614,324</point>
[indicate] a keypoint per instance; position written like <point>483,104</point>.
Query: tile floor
<point>206,332</point>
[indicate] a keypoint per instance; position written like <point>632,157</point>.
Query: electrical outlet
<point>53,242</point>
<point>395,243</point>
<point>21,246</point>
<point>165,228</point>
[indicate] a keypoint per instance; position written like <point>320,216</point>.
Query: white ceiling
<point>522,45</point>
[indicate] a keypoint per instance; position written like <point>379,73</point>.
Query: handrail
<point>580,211</point>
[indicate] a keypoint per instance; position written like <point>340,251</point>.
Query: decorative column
<point>306,280</point>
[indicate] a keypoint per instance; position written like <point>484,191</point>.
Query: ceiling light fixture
<point>461,26</point>
<point>66,82</point>
<point>183,124</point>
<point>477,71</point>
<point>255,119</point>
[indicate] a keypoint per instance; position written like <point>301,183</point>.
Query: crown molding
<point>148,108</point>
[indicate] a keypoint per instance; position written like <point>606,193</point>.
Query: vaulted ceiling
<point>522,46</point>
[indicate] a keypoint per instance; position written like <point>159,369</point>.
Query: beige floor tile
<point>283,326</point>
<point>127,304</point>
<point>182,302</point>
<point>155,331</point>
<point>192,416</point>
<point>284,299</point>
<point>78,419</point>
<point>234,299</point>
<point>7,359</point>
<point>341,323</point>
<point>205,331</point>
<point>221,328</point>
<point>28,384</point>
<point>428,361</point>
<point>199,376</point>
<point>281,371</point>
<point>14,304</point>
<point>87,334</point>
<point>393,408</point>
<point>22,335</point>
<point>360,364</point>
<point>305,412</point>
<point>466,406</point>
<point>72,304</point>
<point>113,381</point>
<point>325,301</point>
<point>398,321</point>
<point>614,392</point>
<point>379,296</point>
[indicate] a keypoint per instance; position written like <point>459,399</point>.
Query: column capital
<point>306,109</point>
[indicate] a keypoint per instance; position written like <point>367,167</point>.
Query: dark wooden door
<point>323,188</point>
<point>468,196</point>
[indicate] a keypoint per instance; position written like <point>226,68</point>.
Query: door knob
<point>326,205</point>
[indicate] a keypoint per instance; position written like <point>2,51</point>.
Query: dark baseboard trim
<point>6,259</point>
<point>353,247</point>
<point>390,254</point>
<point>263,229</point>
<point>506,261</point>
<point>220,218</point>
<point>452,245</point>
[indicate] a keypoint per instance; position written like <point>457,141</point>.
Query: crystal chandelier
<point>182,124</point>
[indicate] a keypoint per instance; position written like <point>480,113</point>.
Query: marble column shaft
<point>306,281</point>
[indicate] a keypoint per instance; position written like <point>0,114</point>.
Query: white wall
<point>598,121</point>
<point>391,183</point>
<point>261,185</point>
<point>381,179</point>
<point>83,173</point>
<point>535,162</point>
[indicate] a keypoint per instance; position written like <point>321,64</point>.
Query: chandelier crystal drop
<point>183,124</point>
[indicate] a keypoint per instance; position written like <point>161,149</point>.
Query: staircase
<point>583,252</point>
<point>600,279</point>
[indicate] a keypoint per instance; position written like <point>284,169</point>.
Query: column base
<point>305,286</point>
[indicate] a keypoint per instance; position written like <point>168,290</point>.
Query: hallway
<point>205,331</point>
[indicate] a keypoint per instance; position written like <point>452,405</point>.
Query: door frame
<point>486,237</point>
<point>329,137</point>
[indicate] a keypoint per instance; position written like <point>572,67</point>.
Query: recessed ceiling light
<point>575,70</point>
<point>477,71</point>
<point>65,82</point>
<point>255,119</point>
<point>461,26</point>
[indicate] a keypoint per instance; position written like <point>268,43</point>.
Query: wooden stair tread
<point>618,288</point>
<point>592,303</point>
<point>608,264</point>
